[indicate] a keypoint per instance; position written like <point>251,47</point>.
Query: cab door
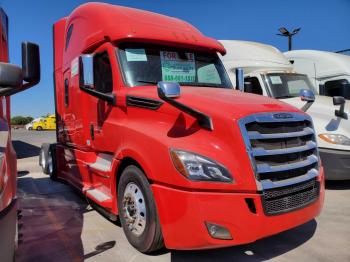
<point>102,119</point>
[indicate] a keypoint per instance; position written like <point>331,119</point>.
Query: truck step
<point>103,163</point>
<point>100,197</point>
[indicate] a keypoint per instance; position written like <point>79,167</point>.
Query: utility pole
<point>286,33</point>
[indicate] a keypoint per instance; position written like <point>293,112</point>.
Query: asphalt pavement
<point>58,224</point>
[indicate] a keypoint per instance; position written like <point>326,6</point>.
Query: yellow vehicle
<point>47,123</point>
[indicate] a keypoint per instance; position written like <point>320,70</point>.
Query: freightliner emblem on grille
<point>282,116</point>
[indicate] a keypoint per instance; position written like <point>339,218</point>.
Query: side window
<point>336,88</point>
<point>69,35</point>
<point>66,93</point>
<point>252,85</point>
<point>103,73</point>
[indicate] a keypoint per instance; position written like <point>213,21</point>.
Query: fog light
<point>217,231</point>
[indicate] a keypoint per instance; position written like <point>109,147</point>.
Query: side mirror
<point>30,63</point>
<point>340,101</point>
<point>86,71</point>
<point>239,79</point>
<point>10,76</point>
<point>307,96</point>
<point>168,89</point>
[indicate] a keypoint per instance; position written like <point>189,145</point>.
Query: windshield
<point>149,64</point>
<point>284,85</point>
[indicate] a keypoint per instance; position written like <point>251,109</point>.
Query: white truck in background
<point>328,71</point>
<point>268,72</point>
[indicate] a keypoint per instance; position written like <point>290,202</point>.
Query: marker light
<point>335,139</point>
<point>199,168</point>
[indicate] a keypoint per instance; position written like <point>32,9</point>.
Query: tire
<point>147,238</point>
<point>30,128</point>
<point>39,128</point>
<point>47,160</point>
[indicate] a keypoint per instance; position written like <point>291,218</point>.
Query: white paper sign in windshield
<point>178,69</point>
<point>276,80</point>
<point>133,54</point>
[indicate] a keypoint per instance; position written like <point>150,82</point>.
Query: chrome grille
<point>285,199</point>
<point>283,150</point>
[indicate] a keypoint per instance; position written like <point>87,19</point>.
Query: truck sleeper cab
<point>269,73</point>
<point>190,166</point>
<point>13,79</point>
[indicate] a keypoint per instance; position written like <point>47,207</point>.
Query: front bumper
<point>183,215</point>
<point>336,164</point>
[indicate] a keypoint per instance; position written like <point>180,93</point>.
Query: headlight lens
<point>199,168</point>
<point>335,139</point>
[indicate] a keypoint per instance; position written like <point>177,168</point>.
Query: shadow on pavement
<point>22,173</point>
<point>261,250</point>
<point>24,149</point>
<point>338,185</point>
<point>51,222</point>
<point>100,248</point>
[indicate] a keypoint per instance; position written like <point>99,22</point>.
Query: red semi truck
<point>11,82</point>
<point>190,167</point>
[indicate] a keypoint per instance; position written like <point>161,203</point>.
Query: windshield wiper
<point>200,84</point>
<point>147,81</point>
<point>286,96</point>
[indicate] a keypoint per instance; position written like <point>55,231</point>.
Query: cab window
<point>103,73</point>
<point>69,35</point>
<point>252,85</point>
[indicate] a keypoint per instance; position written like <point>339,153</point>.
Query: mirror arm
<point>341,112</point>
<point>110,98</point>
<point>204,120</point>
<point>9,91</point>
<point>307,106</point>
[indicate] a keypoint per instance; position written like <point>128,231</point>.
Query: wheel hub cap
<point>134,209</point>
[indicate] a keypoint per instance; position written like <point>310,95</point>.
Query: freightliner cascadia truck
<point>150,129</point>
<point>11,82</point>
<point>268,72</point>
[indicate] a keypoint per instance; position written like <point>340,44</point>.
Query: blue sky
<point>325,26</point>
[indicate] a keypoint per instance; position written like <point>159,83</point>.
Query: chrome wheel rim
<point>134,209</point>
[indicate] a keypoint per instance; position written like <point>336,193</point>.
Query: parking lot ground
<point>58,224</point>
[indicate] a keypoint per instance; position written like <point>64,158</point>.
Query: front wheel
<point>47,160</point>
<point>137,211</point>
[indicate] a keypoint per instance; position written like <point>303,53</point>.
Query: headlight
<point>335,139</point>
<point>199,168</point>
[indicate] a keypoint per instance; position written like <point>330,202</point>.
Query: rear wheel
<point>137,211</point>
<point>47,160</point>
<point>39,128</point>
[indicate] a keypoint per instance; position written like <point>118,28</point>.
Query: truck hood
<point>221,102</point>
<point>325,121</point>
